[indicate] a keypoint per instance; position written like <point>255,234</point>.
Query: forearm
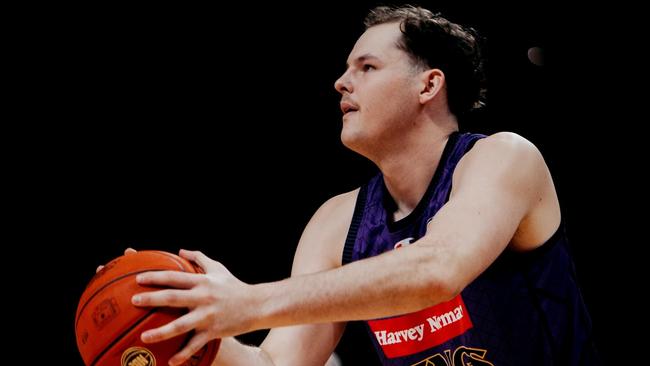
<point>393,283</point>
<point>233,353</point>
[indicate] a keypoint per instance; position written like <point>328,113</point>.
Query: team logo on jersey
<point>412,333</point>
<point>403,243</point>
<point>463,356</point>
<point>138,356</point>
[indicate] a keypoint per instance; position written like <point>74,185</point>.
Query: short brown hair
<point>434,42</point>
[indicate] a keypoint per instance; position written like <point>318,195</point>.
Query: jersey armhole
<point>351,238</point>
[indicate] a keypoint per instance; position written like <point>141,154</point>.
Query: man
<point>482,275</point>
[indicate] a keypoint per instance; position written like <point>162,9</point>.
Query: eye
<point>367,67</point>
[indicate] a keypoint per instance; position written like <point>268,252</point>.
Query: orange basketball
<point>108,326</point>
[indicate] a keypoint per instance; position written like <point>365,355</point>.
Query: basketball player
<point>455,254</point>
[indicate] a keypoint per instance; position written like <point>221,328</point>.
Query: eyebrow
<point>362,58</point>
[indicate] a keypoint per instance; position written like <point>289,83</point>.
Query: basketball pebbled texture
<point>108,326</point>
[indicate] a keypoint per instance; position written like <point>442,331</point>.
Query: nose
<point>342,84</point>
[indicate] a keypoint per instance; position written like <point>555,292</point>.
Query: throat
<point>402,212</point>
<point>401,198</point>
<point>408,183</point>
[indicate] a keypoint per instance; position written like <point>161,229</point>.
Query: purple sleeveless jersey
<point>525,309</point>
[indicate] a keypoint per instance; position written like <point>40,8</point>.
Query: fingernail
<point>146,337</point>
<point>136,300</point>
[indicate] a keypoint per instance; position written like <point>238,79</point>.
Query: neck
<point>408,172</point>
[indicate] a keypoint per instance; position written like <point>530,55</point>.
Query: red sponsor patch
<point>412,333</point>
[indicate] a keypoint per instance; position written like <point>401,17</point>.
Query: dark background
<point>218,130</point>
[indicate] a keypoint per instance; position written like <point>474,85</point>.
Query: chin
<point>352,140</point>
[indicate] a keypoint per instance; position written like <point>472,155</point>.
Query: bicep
<point>303,344</point>
<point>469,235</point>
<point>320,248</point>
<point>493,191</point>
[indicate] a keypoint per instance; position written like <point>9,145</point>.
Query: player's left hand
<point>219,304</point>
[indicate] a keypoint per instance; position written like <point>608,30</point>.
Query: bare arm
<point>497,186</point>
<point>320,248</point>
<point>232,353</point>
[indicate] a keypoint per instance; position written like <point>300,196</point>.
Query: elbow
<point>442,283</point>
<point>442,288</point>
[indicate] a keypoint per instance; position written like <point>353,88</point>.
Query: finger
<point>127,251</point>
<point>198,257</point>
<point>179,326</point>
<point>169,297</point>
<point>193,346</point>
<point>169,278</point>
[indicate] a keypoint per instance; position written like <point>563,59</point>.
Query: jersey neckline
<point>389,204</point>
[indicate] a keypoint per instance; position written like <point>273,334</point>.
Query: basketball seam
<point>121,335</point>
<point>181,267</point>
<point>76,322</point>
<point>175,259</point>
<point>171,256</point>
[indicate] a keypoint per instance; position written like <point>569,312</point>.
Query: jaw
<point>352,135</point>
<point>361,138</point>
<point>377,139</point>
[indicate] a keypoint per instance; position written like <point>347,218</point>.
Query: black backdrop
<point>217,129</point>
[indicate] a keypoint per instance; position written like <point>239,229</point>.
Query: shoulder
<point>508,168</point>
<point>504,152</point>
<point>505,144</point>
<point>336,207</point>
<point>322,241</point>
<point>503,162</point>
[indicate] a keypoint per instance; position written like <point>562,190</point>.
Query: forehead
<point>380,40</point>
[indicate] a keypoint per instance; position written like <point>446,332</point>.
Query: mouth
<point>347,107</point>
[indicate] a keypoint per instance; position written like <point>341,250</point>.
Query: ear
<point>433,80</point>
